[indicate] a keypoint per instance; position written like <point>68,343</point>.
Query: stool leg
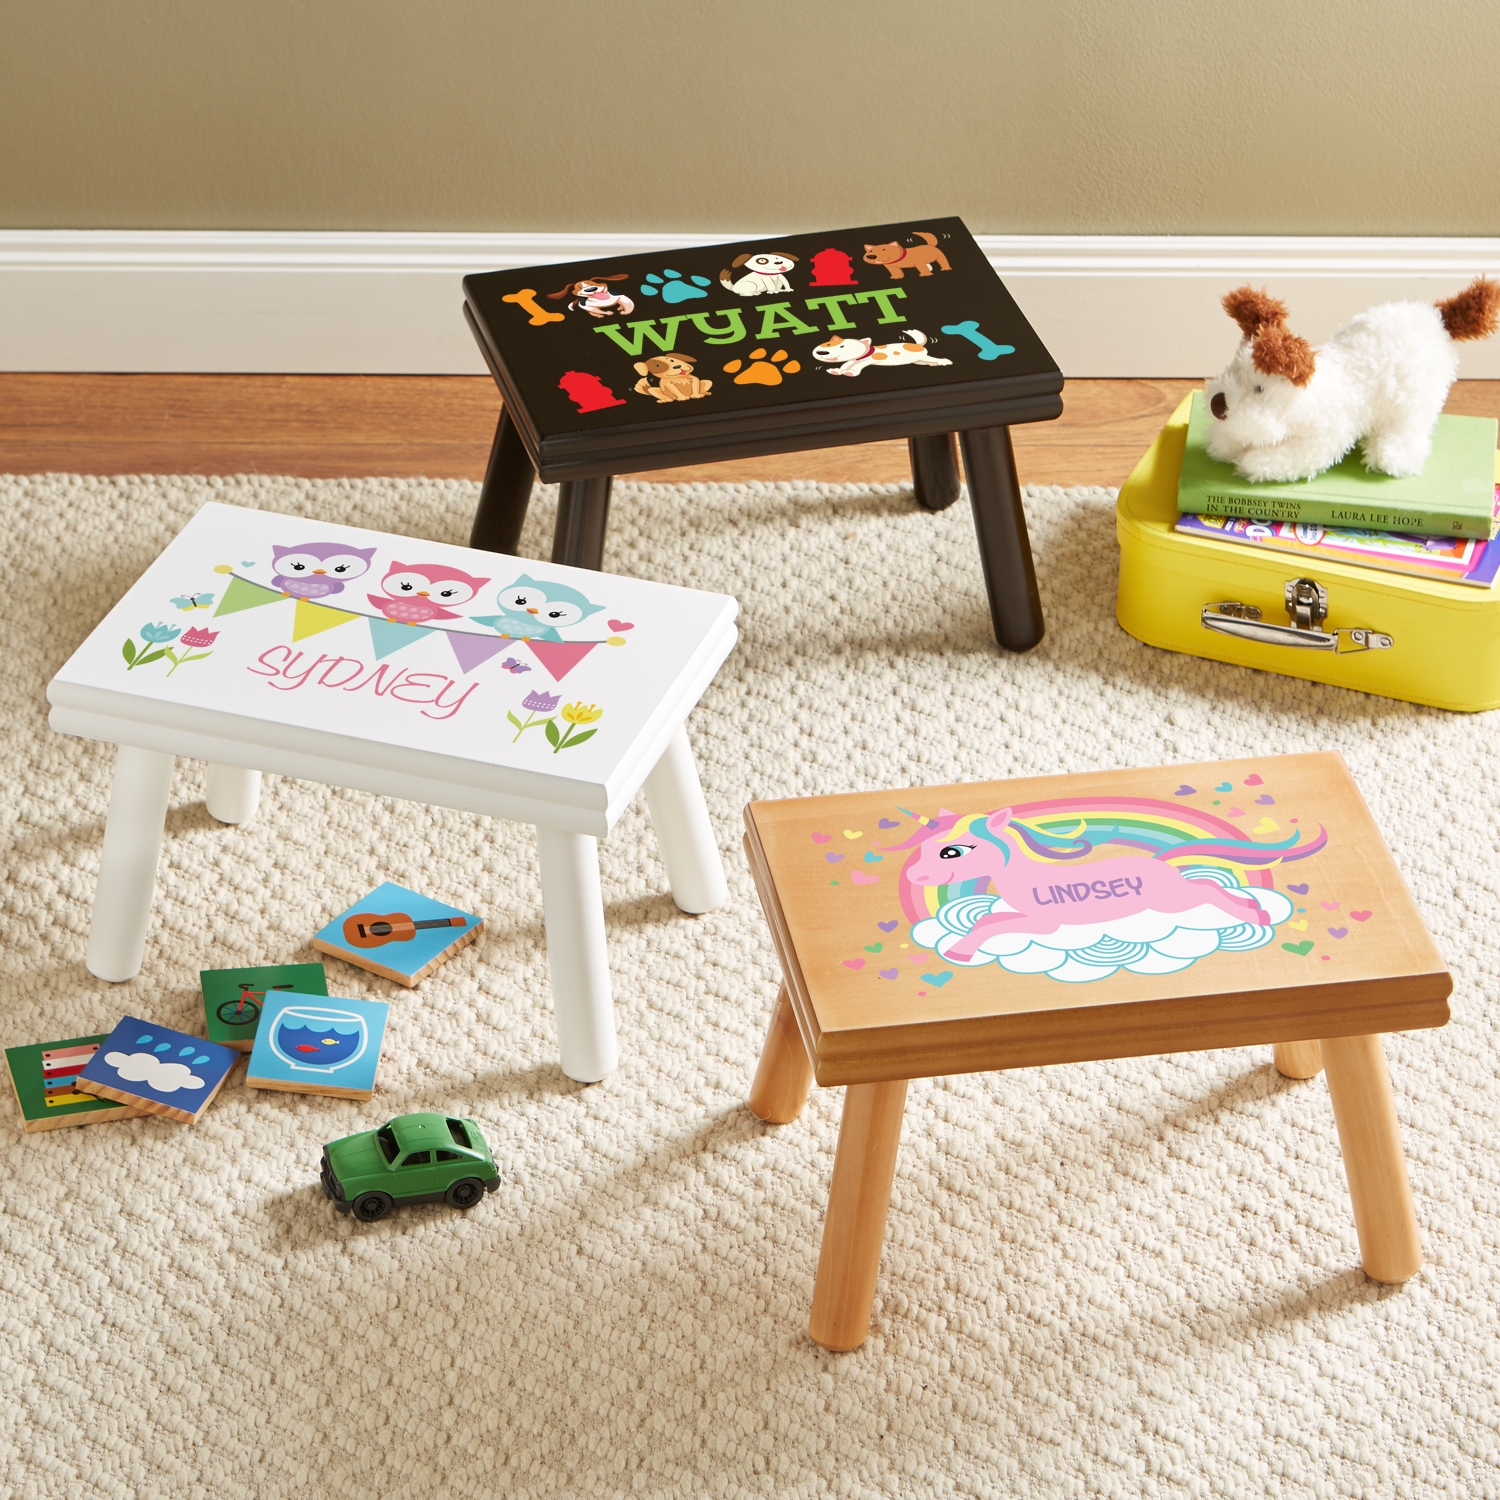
<point>577,958</point>
<point>127,867</point>
<point>1370,1139</point>
<point>1298,1059</point>
<point>231,794</point>
<point>854,1226</point>
<point>582,516</point>
<point>1004,550</point>
<point>674,798</point>
<point>934,469</point>
<point>785,1073</point>
<point>506,491</point>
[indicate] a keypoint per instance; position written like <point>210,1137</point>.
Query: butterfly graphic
<point>189,602</point>
<point>514,667</point>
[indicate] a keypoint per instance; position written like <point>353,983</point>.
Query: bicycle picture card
<point>232,998</point>
<point>310,1044</point>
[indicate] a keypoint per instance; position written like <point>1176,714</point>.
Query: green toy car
<point>412,1159</point>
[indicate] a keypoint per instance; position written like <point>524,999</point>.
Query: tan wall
<point>1026,116</point>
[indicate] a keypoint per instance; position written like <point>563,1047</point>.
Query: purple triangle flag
<point>471,651</point>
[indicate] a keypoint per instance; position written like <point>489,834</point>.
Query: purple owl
<point>315,570</point>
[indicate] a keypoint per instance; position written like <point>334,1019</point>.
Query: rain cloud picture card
<point>164,1072</point>
<point>313,1044</point>
<point>232,998</point>
<point>396,933</point>
<point>45,1078</point>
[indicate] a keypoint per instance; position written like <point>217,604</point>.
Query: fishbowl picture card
<point>164,1072</point>
<point>45,1078</point>
<point>310,1044</point>
<point>396,933</point>
<point>233,998</point>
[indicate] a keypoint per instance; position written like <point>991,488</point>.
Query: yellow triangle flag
<point>311,618</point>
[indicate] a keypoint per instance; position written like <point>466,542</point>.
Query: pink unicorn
<point>1098,892</point>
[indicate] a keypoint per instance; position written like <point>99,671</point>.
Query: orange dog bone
<point>526,299</point>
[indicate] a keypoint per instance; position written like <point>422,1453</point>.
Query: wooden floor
<point>327,426</point>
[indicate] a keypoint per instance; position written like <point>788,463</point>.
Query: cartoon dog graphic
<point>898,259</point>
<point>765,273</point>
<point>853,356</point>
<point>595,298</point>
<point>675,380</point>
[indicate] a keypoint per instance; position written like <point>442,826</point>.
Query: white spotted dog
<point>764,273</point>
<point>595,298</point>
<point>852,356</point>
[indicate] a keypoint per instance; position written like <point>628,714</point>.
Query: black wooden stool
<point>734,351</point>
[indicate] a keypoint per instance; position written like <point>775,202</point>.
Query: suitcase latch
<point>1307,609</point>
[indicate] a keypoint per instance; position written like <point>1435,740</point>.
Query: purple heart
<point>1265,800</point>
<point>1301,890</point>
<point>888,926</point>
<point>1184,790</point>
<point>1338,932</point>
<point>833,859</point>
<point>890,823</point>
<point>889,973</point>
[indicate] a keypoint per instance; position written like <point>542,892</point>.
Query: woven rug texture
<point>1133,1278</point>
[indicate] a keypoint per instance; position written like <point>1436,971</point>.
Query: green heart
<point>873,947</point>
<point>1303,948</point>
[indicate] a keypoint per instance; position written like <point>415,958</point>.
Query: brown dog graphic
<point>898,259</point>
<point>595,298</point>
<point>675,380</point>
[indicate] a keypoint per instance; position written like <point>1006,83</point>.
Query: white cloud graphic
<point>1148,942</point>
<point>148,1068</point>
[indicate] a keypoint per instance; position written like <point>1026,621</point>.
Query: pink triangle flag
<point>471,651</point>
<point>560,657</point>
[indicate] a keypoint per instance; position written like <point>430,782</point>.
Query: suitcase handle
<point>1307,609</point>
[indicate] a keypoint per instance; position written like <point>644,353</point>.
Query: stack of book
<point>1438,524</point>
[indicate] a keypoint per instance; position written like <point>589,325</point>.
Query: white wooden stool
<point>466,679</point>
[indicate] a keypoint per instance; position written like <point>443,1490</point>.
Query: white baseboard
<point>239,303</point>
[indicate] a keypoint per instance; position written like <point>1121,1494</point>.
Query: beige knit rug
<point>1133,1278</point>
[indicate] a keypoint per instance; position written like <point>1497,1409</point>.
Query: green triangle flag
<point>242,594</point>
<point>311,618</point>
<point>386,636</point>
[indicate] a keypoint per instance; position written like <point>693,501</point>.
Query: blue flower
<point>159,635</point>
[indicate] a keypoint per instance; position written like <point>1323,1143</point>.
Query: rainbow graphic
<point>1069,828</point>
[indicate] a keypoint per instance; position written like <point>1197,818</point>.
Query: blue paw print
<point>674,287</point>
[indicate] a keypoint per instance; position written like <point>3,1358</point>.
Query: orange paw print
<point>760,370</point>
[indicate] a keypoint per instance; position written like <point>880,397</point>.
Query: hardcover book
<point>399,934</point>
<point>1452,496</point>
<point>45,1078</point>
<point>310,1044</point>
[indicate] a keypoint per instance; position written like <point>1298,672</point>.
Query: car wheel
<point>371,1206</point>
<point>464,1194</point>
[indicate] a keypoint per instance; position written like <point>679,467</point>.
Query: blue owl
<point>316,569</point>
<point>533,611</point>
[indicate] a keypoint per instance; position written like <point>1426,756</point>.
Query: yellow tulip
<point>581,713</point>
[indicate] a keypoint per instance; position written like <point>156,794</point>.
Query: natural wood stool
<point>1070,918</point>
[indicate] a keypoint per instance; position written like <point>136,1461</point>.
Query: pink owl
<point>415,594</point>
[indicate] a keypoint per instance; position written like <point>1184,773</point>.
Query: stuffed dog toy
<point>1284,410</point>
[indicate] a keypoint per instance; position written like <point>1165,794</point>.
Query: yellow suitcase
<point>1425,641</point>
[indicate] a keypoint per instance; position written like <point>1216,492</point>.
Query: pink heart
<point>1338,932</point>
<point>1361,916</point>
<point>887,926</point>
<point>821,838</point>
<point>1253,780</point>
<point>621,625</point>
<point>854,963</point>
<point>1236,812</point>
<point>889,973</point>
<point>1329,905</point>
<point>860,878</point>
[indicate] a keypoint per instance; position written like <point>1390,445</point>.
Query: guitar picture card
<point>311,1044</point>
<point>45,1078</point>
<point>164,1072</point>
<point>396,933</point>
<point>233,998</point>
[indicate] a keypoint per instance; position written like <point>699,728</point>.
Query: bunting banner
<point>242,594</point>
<point>560,657</point>
<point>472,651</point>
<point>387,637</point>
<point>311,618</point>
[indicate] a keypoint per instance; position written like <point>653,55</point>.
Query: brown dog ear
<point>687,359</point>
<point>740,260</point>
<point>785,256</point>
<point>642,368</point>
<point>1254,310</point>
<point>567,291</point>
<point>622,276</point>
<point>1278,351</point>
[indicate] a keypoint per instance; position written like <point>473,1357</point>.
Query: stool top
<point>550,690</point>
<point>958,929</point>
<point>794,341</point>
